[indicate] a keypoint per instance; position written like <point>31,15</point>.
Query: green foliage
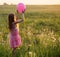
<point>40,32</point>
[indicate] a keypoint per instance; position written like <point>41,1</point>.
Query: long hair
<point>10,20</point>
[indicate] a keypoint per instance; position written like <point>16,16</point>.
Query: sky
<point>31,2</point>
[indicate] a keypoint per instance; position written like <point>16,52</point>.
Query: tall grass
<point>40,33</point>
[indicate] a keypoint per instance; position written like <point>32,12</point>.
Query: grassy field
<point>40,32</point>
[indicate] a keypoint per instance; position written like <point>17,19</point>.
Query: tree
<point>5,4</point>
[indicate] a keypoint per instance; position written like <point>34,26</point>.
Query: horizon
<point>31,2</point>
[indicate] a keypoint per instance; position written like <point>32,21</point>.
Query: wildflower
<point>30,53</point>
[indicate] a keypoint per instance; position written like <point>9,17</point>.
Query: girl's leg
<point>13,52</point>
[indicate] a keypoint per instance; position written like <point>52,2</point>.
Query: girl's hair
<point>10,20</point>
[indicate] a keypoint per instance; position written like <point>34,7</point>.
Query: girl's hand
<point>17,11</point>
<point>23,11</point>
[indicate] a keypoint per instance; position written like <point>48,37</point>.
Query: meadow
<point>40,32</point>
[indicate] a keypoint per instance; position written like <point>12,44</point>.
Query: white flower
<point>30,53</point>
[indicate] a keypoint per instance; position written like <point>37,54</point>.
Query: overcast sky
<point>35,2</point>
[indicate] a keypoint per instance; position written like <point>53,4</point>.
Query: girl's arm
<point>20,20</point>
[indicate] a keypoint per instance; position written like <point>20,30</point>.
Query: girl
<point>15,39</point>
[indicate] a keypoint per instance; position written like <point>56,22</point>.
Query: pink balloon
<point>21,7</point>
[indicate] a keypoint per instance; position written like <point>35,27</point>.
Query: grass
<point>40,33</point>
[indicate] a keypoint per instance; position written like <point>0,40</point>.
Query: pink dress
<point>15,39</point>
